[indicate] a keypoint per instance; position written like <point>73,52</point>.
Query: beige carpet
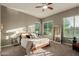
<point>53,50</point>
<point>41,52</point>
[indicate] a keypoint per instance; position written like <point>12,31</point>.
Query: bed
<point>36,43</point>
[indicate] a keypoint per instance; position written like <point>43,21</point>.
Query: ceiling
<point>30,9</point>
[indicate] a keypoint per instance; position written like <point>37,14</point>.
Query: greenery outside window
<point>76,34</point>
<point>37,28</point>
<point>71,27</point>
<point>34,28</point>
<point>68,27</point>
<point>48,26</point>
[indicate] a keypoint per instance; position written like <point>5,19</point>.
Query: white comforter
<point>36,42</point>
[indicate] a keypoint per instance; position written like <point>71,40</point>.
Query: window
<point>68,27</point>
<point>37,28</point>
<point>71,27</point>
<point>31,28</point>
<point>76,26</point>
<point>48,28</point>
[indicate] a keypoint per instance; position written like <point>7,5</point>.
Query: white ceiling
<point>30,9</point>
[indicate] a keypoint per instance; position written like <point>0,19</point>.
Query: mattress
<point>37,43</point>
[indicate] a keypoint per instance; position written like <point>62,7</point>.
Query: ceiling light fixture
<point>45,7</point>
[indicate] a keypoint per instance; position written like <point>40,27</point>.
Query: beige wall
<point>0,27</point>
<point>58,18</point>
<point>12,19</point>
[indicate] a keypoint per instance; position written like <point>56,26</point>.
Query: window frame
<point>74,24</point>
<point>52,27</point>
<point>39,27</point>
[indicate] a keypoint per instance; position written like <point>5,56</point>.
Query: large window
<point>37,28</point>
<point>48,30</point>
<point>71,27</point>
<point>76,34</point>
<point>68,27</point>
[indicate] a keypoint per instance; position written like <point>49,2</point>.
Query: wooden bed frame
<point>42,46</point>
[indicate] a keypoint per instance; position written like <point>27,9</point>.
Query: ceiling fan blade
<point>50,3</point>
<point>50,8</point>
<point>38,6</point>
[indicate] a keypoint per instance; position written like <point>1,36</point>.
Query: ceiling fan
<point>45,6</point>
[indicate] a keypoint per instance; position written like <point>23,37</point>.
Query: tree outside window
<point>37,28</point>
<point>48,26</point>
<point>71,27</point>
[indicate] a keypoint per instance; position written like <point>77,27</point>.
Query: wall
<point>58,18</point>
<point>12,19</point>
<point>0,28</point>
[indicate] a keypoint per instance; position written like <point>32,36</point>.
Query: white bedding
<point>36,42</point>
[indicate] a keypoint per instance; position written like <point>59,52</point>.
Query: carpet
<point>41,52</point>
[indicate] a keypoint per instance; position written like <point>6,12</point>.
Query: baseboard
<point>8,45</point>
<point>57,42</point>
<point>5,46</point>
<point>67,44</point>
<point>63,43</point>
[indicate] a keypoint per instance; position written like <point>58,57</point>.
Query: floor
<point>0,51</point>
<point>13,51</point>
<point>55,49</point>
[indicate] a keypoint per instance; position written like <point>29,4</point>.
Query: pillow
<point>34,35</point>
<point>25,35</point>
<point>28,36</point>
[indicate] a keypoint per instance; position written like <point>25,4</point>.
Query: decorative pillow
<point>28,36</point>
<point>25,35</point>
<point>34,35</point>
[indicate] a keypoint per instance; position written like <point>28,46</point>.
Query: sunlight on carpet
<point>41,52</point>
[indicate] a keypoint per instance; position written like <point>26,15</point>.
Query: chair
<point>76,46</point>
